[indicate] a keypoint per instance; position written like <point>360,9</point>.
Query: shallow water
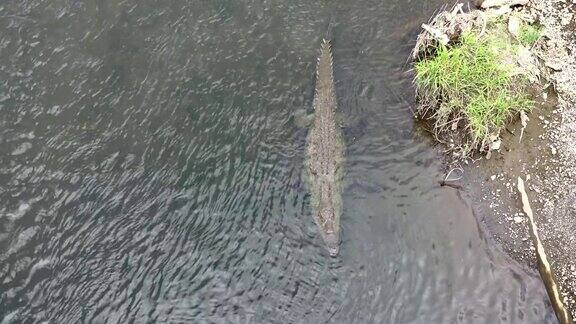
<point>150,170</point>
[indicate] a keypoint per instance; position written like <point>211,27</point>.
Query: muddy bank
<point>546,153</point>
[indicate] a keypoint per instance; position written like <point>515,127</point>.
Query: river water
<point>150,171</point>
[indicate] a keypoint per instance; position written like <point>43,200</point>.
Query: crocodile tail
<point>324,73</point>
<point>325,58</point>
<point>326,45</point>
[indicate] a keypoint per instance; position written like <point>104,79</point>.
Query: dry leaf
<point>514,26</point>
<point>527,63</point>
<point>454,125</point>
<point>437,34</point>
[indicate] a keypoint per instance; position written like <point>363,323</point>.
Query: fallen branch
<point>544,268</point>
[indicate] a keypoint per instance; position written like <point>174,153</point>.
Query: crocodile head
<point>333,244</point>
<point>330,231</point>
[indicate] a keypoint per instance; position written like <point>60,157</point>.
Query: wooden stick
<point>544,268</point>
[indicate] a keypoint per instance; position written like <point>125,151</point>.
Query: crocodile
<point>325,149</point>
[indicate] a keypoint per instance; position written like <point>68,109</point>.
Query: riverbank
<point>545,150</point>
<point>551,161</point>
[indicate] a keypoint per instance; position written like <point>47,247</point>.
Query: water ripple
<point>151,171</point>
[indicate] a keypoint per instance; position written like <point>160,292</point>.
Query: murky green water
<point>150,171</point>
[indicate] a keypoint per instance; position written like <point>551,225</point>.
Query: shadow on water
<point>150,170</point>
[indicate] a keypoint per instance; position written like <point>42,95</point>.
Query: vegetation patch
<point>472,79</point>
<point>529,34</point>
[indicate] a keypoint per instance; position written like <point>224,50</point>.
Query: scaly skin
<point>325,155</point>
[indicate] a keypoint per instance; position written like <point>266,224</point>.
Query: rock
<point>518,219</point>
<point>478,3</point>
<point>519,2</point>
<point>493,3</point>
<point>553,149</point>
<point>500,3</point>
<point>493,177</point>
<point>496,145</point>
<point>554,65</point>
<point>566,18</point>
<point>497,12</point>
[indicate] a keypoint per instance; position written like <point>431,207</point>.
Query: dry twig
<point>543,266</point>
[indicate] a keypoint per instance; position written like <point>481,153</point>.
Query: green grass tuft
<point>469,81</point>
<point>529,34</point>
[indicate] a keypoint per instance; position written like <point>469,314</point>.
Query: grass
<point>469,84</point>
<point>529,34</point>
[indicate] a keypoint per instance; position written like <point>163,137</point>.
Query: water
<point>150,170</point>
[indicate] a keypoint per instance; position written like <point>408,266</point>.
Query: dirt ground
<point>492,184</point>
